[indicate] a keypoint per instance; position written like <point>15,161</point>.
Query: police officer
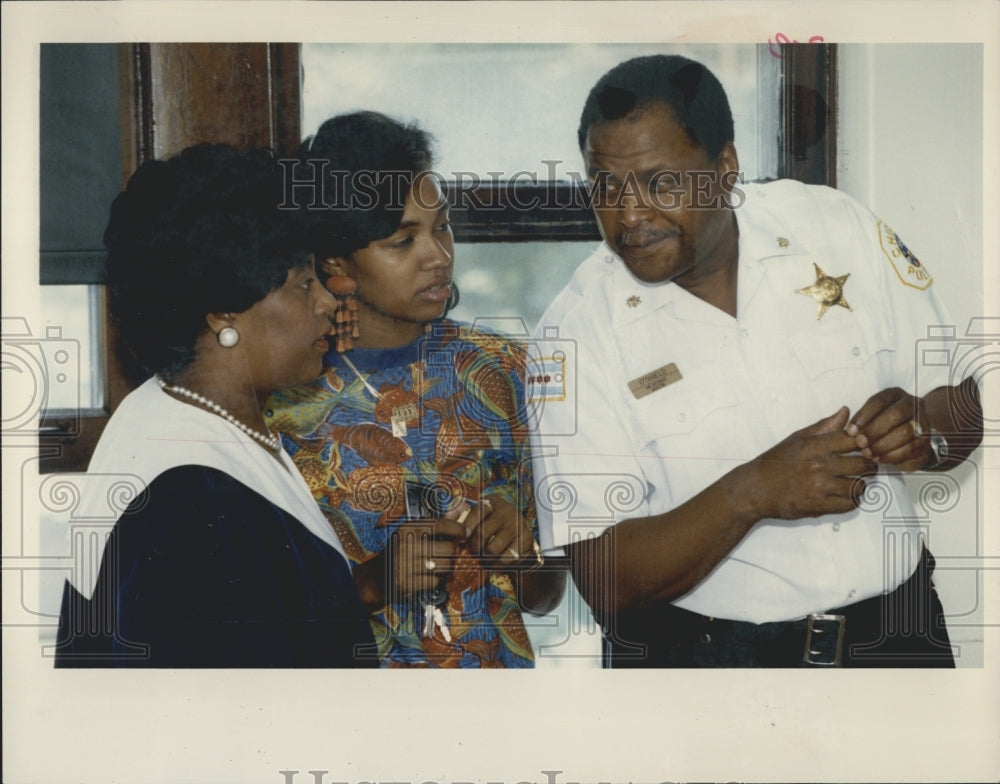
<point>726,376</point>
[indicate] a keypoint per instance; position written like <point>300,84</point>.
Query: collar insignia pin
<point>633,301</point>
<point>827,291</point>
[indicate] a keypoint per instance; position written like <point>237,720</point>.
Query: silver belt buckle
<point>821,650</point>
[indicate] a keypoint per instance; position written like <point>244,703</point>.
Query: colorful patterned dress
<point>460,392</point>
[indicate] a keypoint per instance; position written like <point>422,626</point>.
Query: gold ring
<point>514,553</point>
<point>917,429</point>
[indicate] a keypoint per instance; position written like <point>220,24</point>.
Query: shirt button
<point>681,416</point>
<point>706,638</point>
<point>609,259</point>
<point>836,526</point>
<point>745,332</point>
<point>856,351</point>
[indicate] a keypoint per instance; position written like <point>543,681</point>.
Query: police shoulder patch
<point>907,267</point>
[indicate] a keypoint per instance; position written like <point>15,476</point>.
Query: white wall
<point>911,147</point>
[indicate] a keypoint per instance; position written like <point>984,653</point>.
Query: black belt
<point>902,628</point>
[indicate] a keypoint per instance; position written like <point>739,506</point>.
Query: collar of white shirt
<point>762,236</point>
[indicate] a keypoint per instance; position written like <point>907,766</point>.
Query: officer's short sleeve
<point>929,345</point>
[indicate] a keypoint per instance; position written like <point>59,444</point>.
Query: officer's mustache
<point>642,237</point>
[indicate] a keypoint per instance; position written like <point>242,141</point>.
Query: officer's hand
<point>888,427</point>
<point>815,471</point>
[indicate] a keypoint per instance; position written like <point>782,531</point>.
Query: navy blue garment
<point>202,571</point>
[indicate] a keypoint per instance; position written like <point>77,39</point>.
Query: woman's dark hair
<point>691,91</point>
<point>369,162</point>
<point>198,233</point>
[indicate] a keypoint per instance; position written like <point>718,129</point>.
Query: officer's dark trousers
<point>904,628</point>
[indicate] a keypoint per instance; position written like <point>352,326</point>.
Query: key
<point>429,620</point>
<point>440,624</point>
<point>432,601</point>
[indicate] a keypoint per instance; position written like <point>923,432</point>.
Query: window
<point>510,107</point>
<point>80,174</point>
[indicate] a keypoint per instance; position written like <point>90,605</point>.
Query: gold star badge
<point>633,301</point>
<point>827,291</point>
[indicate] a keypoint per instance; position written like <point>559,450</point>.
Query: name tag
<point>657,379</point>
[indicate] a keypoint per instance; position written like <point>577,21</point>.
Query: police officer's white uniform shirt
<point>603,455</point>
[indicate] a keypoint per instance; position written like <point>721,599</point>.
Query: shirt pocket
<point>842,366</point>
<point>687,434</point>
<point>686,416</point>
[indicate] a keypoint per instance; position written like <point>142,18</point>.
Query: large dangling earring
<point>345,317</point>
<point>228,337</point>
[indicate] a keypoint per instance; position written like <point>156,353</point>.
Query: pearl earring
<point>228,337</point>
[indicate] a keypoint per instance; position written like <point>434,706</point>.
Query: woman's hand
<point>418,554</point>
<point>423,551</point>
<point>498,534</point>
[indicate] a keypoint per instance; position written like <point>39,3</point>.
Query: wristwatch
<point>939,446</point>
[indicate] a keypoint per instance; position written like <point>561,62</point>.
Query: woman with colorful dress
<point>414,442</point>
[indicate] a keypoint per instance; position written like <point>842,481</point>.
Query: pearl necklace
<point>270,440</point>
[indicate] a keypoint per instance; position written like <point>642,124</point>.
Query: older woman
<point>414,441</point>
<point>223,560</point>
